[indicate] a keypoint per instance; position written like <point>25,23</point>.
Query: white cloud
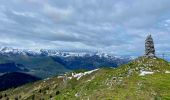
<point>57,13</point>
<point>25,14</point>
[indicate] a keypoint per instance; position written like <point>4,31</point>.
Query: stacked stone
<point>149,47</point>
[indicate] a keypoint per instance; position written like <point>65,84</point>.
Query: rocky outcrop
<point>149,47</point>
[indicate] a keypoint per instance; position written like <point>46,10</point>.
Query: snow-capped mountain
<point>50,52</point>
<point>9,50</point>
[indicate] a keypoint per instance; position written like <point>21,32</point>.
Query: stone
<point>149,47</point>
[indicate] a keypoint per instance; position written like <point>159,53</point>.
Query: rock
<point>149,47</point>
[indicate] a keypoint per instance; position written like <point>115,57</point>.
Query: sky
<point>115,26</point>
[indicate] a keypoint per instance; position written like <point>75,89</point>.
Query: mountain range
<point>45,63</point>
<point>52,52</point>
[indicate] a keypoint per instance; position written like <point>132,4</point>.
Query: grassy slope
<point>105,84</point>
<point>124,82</point>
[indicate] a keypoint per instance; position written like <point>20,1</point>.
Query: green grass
<point>132,87</point>
<point>123,83</point>
<point>135,87</point>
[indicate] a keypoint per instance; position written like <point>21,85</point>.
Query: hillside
<point>91,62</point>
<point>36,65</point>
<point>12,67</point>
<point>143,78</point>
<point>14,79</point>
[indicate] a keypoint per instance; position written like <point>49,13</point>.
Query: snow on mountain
<point>48,52</point>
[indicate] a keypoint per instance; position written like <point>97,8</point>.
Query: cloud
<point>57,13</point>
<point>116,26</point>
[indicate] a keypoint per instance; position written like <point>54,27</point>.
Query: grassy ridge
<point>123,83</point>
<point>120,88</point>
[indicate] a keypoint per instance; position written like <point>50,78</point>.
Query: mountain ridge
<point>51,52</point>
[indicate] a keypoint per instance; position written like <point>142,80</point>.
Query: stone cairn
<point>149,47</point>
